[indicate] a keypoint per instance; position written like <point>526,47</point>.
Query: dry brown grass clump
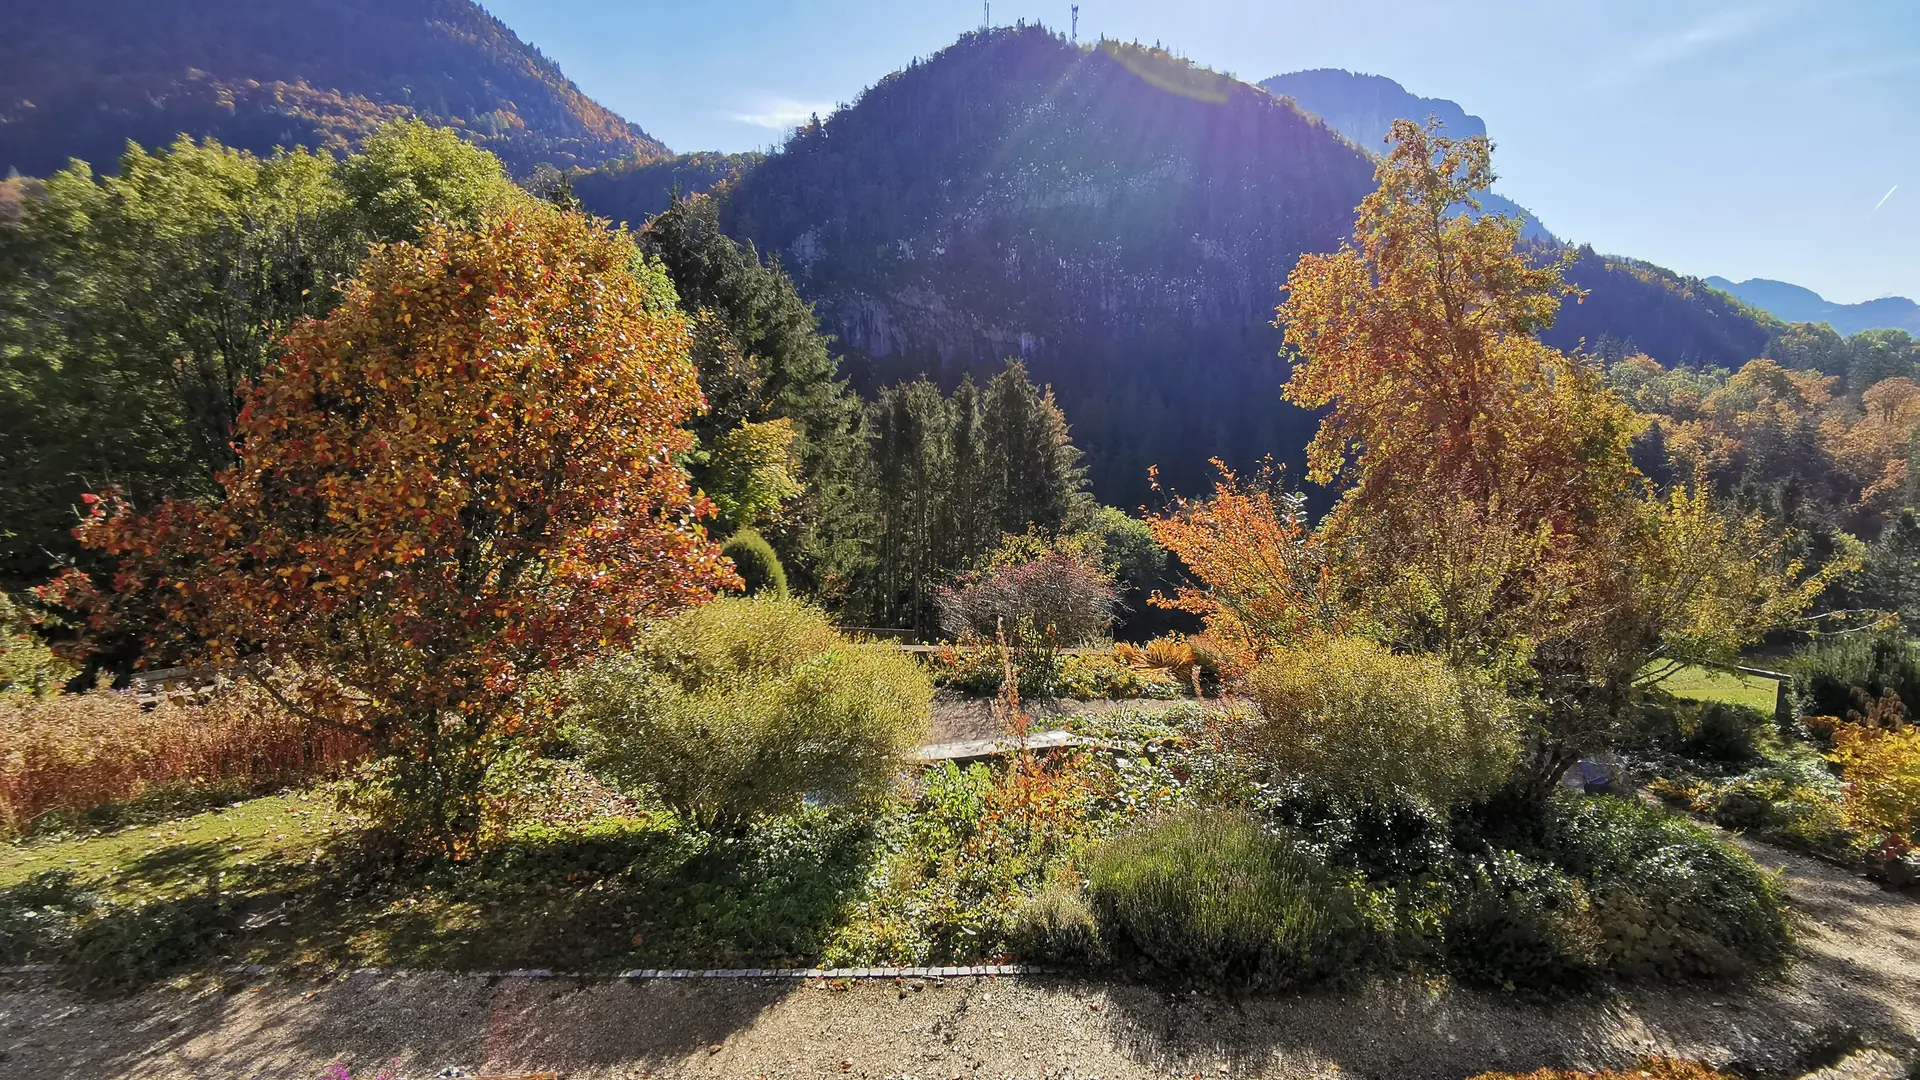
<point>68,754</point>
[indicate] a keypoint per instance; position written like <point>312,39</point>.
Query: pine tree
<point>970,518</point>
<point>911,485</point>
<point>761,358</point>
<point>1033,474</point>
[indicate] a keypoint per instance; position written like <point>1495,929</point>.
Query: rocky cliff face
<point>1364,107</point>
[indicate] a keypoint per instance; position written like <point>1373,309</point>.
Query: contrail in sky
<point>1883,200</point>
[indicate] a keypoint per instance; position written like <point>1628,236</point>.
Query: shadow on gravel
<point>1410,1032</point>
<point>1855,983</point>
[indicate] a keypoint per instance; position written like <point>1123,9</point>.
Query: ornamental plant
<point>745,706</point>
<point>1881,767</point>
<point>463,477</point>
<point>1039,594</point>
<point>1346,715</point>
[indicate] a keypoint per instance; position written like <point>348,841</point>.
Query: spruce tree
<point>1033,474</point>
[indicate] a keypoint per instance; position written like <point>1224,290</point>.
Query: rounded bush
<point>759,567</point>
<point>1351,717</point>
<point>1210,896</point>
<point>1669,899</point>
<point>1727,734</point>
<point>1510,922</point>
<point>744,706</point>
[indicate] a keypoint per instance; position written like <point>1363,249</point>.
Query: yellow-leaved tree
<point>1491,512</point>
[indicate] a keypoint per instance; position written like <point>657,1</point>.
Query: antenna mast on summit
<point>1076,24</point>
<point>986,14</point>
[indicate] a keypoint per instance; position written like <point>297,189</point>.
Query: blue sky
<point>1760,139</point>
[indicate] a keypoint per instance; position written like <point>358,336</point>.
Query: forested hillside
<point>633,191</point>
<point>1122,220</point>
<point>78,78</point>
<point>1118,217</point>
<point>1633,306</point>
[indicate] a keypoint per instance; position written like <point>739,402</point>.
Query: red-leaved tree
<point>464,476</point>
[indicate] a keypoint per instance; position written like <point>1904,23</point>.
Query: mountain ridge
<point>79,78</point>
<point>1118,217</point>
<point>1795,303</point>
<point>1124,221</point>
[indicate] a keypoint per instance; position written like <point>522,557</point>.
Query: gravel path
<point>957,717</point>
<point>1858,983</point>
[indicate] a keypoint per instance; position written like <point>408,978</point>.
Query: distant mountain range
<point>1792,303</point>
<point>1364,107</point>
<point>78,78</point>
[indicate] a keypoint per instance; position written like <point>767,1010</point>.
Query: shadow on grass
<point>603,898</point>
<point>615,895</point>
<point>199,861</point>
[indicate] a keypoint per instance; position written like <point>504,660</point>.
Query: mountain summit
<point>1364,107</point>
<point>78,78</point>
<point>1118,217</point>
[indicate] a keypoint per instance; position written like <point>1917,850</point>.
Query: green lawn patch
<point>148,861</point>
<point>1733,688</point>
<point>278,880</point>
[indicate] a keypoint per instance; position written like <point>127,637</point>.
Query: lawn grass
<point>146,861</point>
<point>282,882</point>
<point>1732,688</point>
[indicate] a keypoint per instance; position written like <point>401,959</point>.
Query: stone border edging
<point>636,974</point>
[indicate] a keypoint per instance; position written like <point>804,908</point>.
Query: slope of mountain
<point>1793,303</point>
<point>78,78</point>
<point>1118,217</point>
<point>1123,221</point>
<point>1364,107</point>
<point>633,191</point>
<point>1634,306</point>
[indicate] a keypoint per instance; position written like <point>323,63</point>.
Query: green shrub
<point>744,706</point>
<point>1670,900</point>
<point>759,567</point>
<point>1350,716</point>
<point>1057,927</point>
<point>1210,896</point>
<point>1094,675</point>
<point>1834,676</point>
<point>1780,812</point>
<point>27,665</point>
<point>1512,922</point>
<point>1725,734</point>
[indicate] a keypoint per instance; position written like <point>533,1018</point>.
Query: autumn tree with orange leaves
<point>465,476</point>
<point>1491,511</point>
